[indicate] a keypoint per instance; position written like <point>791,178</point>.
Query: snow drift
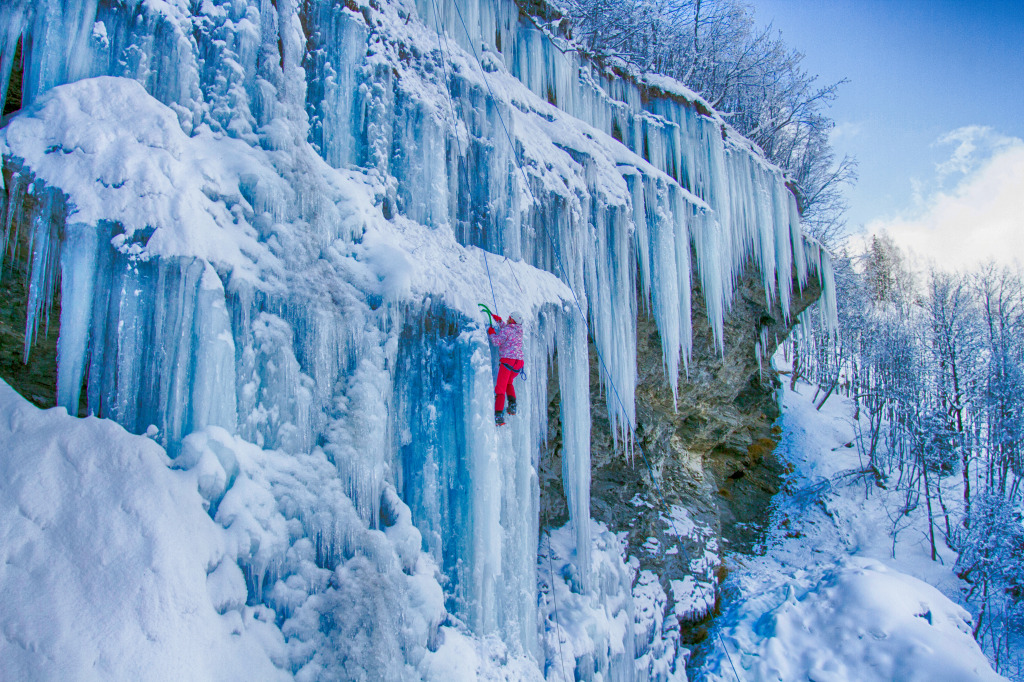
<point>110,566</point>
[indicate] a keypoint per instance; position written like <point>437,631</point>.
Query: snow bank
<point>424,263</point>
<point>120,155</point>
<point>109,566</point>
<point>858,621</point>
<point>290,522</point>
<point>835,597</point>
<point>485,659</point>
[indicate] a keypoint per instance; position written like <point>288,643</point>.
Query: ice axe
<point>487,310</point>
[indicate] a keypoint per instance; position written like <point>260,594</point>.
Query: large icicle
<point>573,375</point>
<point>78,277</point>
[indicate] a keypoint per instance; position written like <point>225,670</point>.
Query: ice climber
<point>509,340</point>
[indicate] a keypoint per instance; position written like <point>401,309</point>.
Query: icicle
<point>420,158</point>
<point>830,309</point>
<point>105,325</point>
<point>642,234</point>
<point>819,262</point>
<point>574,388</point>
<point>612,295</point>
<point>684,274</point>
<point>130,345</point>
<point>15,16</point>
<point>78,279</point>
<point>708,241</point>
<point>766,230</point>
<point>664,258</point>
<point>13,212</point>
<point>213,386</point>
<point>173,328</point>
<point>58,49</point>
<point>338,53</point>
<point>796,240</point>
<point>44,262</point>
<point>783,248</point>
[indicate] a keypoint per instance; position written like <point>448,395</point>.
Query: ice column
<point>574,388</point>
<point>213,383</point>
<point>78,277</point>
<point>339,50</point>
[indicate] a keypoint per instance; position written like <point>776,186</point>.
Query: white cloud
<point>980,217</point>
<point>974,145</point>
<point>847,130</point>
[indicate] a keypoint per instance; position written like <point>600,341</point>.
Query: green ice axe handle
<point>486,309</point>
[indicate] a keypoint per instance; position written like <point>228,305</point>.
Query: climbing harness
<point>511,368</point>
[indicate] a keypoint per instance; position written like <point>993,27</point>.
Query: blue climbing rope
<point>513,275</point>
<point>455,126</point>
<point>488,267</point>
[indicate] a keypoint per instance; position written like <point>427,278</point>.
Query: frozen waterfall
<point>270,224</point>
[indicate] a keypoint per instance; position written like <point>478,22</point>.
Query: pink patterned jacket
<point>508,339</point>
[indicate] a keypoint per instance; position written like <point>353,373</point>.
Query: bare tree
<point>953,320</point>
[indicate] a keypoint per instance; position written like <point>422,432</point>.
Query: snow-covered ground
<point>111,567</point>
<point>833,597</point>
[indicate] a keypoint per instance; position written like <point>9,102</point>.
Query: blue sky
<point>934,112</point>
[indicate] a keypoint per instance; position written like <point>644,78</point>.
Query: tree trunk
<point>827,393</point>
<point>928,505</point>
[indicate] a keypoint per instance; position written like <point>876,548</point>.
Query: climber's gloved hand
<point>496,318</point>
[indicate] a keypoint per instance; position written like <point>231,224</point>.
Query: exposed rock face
<point>36,380</point>
<point>711,452</point>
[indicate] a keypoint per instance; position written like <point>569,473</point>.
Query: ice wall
<point>276,219</point>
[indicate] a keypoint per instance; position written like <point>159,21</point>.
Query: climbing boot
<point>511,408</point>
<point>499,418</point>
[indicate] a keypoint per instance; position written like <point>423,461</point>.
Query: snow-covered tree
<point>955,344</point>
<point>990,563</point>
<point>938,373</point>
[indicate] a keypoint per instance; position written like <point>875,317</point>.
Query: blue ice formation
<point>270,224</point>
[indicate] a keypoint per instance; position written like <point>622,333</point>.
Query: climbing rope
<point>513,275</point>
<point>451,105</point>
<point>455,125</point>
<point>554,599</point>
<point>558,261</point>
<point>488,267</point>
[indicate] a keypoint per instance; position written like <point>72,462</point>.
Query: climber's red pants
<point>508,370</point>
